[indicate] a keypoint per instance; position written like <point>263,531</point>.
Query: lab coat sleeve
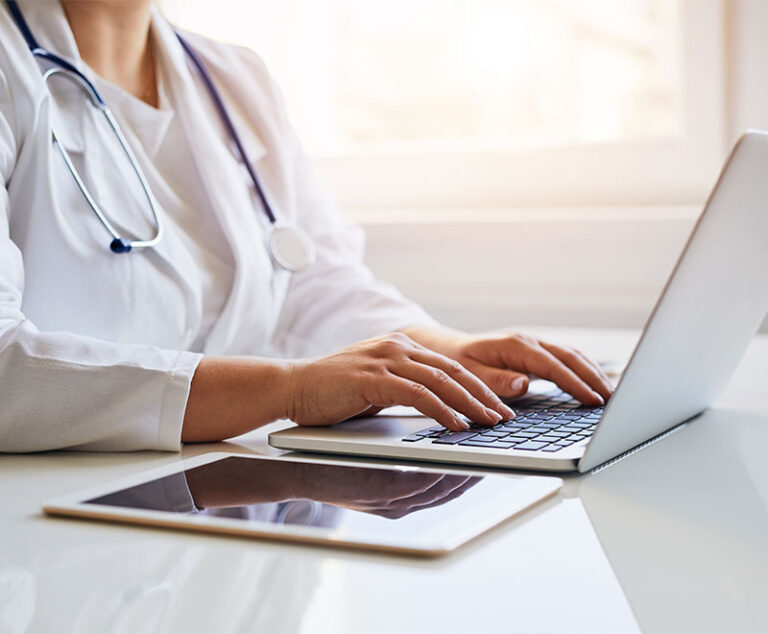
<point>337,301</point>
<point>59,390</point>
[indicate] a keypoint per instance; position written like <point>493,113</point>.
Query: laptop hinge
<point>637,448</point>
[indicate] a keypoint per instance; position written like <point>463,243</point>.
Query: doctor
<point>196,283</point>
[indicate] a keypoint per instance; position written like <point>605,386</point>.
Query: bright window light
<point>459,75</point>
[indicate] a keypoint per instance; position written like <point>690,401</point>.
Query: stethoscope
<point>290,246</point>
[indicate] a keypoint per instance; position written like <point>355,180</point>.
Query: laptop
<point>709,310</point>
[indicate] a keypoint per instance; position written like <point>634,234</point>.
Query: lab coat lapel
<point>229,195</point>
<point>50,27</point>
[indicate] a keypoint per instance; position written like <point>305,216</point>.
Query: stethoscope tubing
<point>227,121</point>
<point>39,51</point>
<point>118,244</point>
<point>67,69</point>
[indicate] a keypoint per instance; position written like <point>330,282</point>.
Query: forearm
<point>230,396</point>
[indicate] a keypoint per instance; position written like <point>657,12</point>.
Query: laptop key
<point>552,448</point>
<point>485,445</point>
<point>454,438</point>
<point>413,438</point>
<point>470,442</point>
<point>531,445</point>
<point>484,439</point>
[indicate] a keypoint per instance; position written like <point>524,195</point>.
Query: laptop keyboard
<point>546,422</point>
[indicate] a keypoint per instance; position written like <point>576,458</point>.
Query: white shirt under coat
<point>97,350</point>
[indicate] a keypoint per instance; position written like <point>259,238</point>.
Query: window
<point>494,103</point>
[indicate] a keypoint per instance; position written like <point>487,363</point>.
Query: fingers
<point>406,485</point>
<point>441,385</point>
<point>457,492</point>
<point>590,373</point>
<point>402,391</point>
<point>439,493</point>
<point>546,365</point>
<point>438,501</point>
<point>598,368</point>
<point>506,383</point>
<point>471,383</point>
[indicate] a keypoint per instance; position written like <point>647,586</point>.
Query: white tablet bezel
<point>482,517</point>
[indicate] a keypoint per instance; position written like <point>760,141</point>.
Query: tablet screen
<point>408,509</point>
<point>300,493</point>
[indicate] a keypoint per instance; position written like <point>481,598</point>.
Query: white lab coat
<point>94,346</point>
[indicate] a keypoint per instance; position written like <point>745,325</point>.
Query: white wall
<point>604,267</point>
<point>541,266</point>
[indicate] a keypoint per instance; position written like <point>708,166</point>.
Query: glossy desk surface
<point>671,539</point>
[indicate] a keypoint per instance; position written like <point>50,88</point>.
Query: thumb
<point>505,383</point>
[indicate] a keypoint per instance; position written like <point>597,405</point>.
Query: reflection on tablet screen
<point>299,493</point>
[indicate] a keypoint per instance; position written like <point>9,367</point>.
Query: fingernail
<point>493,414</point>
<point>518,385</point>
<point>462,424</point>
<point>507,411</point>
<point>600,399</point>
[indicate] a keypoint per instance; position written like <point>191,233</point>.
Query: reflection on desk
<point>686,526</point>
<point>240,488</point>
<point>672,539</point>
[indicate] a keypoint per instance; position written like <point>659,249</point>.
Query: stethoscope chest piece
<point>292,248</point>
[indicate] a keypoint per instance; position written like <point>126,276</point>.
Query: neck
<point>113,39</point>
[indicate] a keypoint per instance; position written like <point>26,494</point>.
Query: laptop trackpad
<point>389,427</point>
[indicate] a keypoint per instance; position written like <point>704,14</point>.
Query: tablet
<point>408,509</point>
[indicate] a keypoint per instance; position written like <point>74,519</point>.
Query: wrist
<point>285,388</point>
<point>233,395</point>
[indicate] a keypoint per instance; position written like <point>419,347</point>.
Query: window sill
<point>486,216</point>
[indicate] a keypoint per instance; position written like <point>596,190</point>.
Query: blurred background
<point>513,161</point>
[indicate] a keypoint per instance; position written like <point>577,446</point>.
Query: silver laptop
<point>711,307</point>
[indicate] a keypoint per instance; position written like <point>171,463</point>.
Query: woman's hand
<point>504,361</point>
<point>388,493</point>
<point>435,370</point>
<point>393,370</point>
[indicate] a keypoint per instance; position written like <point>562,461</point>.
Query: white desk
<point>672,539</point>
